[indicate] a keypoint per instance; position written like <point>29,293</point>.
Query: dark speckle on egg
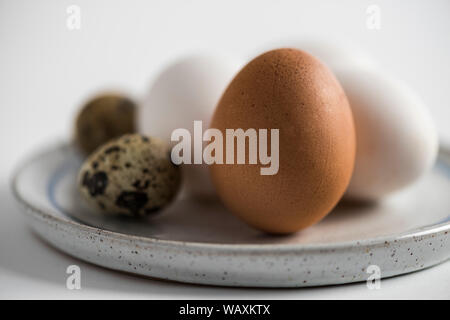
<point>96,184</point>
<point>131,200</point>
<point>141,186</point>
<point>112,149</point>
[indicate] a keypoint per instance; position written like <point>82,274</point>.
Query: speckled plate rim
<point>436,229</point>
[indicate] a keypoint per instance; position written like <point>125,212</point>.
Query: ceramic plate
<point>200,242</point>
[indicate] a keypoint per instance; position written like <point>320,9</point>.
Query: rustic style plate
<point>200,242</point>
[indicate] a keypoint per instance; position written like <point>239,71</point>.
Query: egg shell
<point>292,91</point>
<point>336,53</point>
<point>132,176</point>
<point>184,91</point>
<point>104,117</point>
<point>397,141</point>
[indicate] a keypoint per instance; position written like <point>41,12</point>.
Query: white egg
<point>397,141</point>
<point>184,91</point>
<point>337,54</point>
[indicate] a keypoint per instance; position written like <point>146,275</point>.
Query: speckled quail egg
<point>132,175</point>
<point>103,118</point>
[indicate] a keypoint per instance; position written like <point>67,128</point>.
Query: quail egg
<point>132,175</point>
<point>103,118</point>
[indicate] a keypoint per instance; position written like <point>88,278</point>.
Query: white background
<point>46,71</point>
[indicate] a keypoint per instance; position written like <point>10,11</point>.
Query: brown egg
<point>294,92</point>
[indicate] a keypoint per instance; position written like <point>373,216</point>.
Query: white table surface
<point>46,71</point>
